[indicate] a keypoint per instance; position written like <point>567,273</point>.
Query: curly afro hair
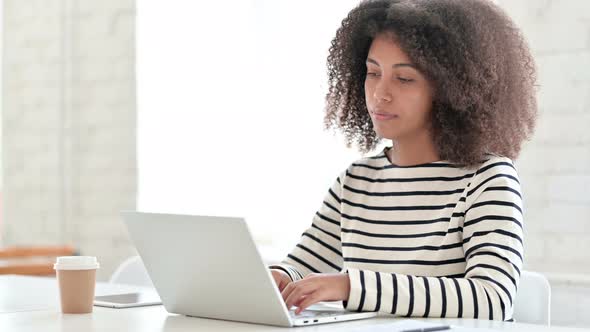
<point>473,54</point>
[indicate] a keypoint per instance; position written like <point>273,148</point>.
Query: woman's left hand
<point>315,288</point>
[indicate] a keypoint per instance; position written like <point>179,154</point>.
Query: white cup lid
<point>76,263</point>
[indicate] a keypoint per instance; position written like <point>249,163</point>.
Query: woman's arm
<point>319,250</point>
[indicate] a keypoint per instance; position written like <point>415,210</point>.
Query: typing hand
<point>315,288</point>
<point>281,278</point>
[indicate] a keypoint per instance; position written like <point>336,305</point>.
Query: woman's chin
<point>386,135</point>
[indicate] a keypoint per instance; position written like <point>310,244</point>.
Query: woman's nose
<point>382,91</point>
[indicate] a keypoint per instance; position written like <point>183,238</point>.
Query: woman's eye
<point>371,74</point>
<point>405,80</point>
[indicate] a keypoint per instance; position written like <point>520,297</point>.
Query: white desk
<point>32,304</point>
<point>22,293</point>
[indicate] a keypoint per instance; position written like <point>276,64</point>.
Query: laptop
<point>209,266</point>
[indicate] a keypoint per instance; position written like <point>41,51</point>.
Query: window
<point>230,112</point>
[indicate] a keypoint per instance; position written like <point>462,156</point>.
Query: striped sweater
<point>431,240</point>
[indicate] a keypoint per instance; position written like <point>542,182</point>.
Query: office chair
<point>533,299</point>
<point>32,260</point>
<point>132,272</point>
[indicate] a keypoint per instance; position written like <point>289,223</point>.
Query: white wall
<point>1,82</point>
<point>1,111</point>
<point>555,165</point>
<point>231,111</point>
<point>69,125</point>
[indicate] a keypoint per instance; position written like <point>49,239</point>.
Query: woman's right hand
<point>281,278</point>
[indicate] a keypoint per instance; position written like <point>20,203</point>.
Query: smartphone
<point>128,300</point>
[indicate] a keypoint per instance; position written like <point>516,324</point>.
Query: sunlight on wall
<point>230,111</point>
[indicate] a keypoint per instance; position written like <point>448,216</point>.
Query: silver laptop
<point>209,267</point>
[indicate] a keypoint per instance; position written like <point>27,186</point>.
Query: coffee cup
<point>76,276</point>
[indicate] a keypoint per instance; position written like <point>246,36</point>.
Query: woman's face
<point>398,96</point>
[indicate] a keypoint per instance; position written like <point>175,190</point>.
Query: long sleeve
<point>319,249</point>
<point>493,251</point>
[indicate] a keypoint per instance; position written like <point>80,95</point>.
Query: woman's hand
<point>315,288</point>
<point>281,278</point>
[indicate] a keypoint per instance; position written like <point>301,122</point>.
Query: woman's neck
<point>413,152</point>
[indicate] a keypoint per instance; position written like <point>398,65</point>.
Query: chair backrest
<point>32,260</point>
<point>132,272</point>
<point>533,299</point>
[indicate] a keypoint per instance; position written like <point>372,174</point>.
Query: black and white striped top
<point>431,240</point>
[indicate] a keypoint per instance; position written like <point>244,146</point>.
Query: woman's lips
<point>383,116</point>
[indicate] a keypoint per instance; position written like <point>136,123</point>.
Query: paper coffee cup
<point>76,276</point>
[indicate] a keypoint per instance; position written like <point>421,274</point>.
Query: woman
<point>432,225</point>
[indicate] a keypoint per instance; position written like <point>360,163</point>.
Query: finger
<point>280,285</point>
<point>312,298</point>
<point>299,291</point>
<point>276,279</point>
<point>280,280</point>
<point>283,283</point>
<point>298,302</point>
<point>287,290</point>
<point>275,275</point>
<point>294,289</point>
<point>291,287</point>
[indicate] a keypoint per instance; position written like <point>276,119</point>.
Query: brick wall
<point>69,125</point>
<point>555,164</point>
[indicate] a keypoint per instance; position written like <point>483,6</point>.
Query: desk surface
<point>31,304</point>
<point>23,293</point>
